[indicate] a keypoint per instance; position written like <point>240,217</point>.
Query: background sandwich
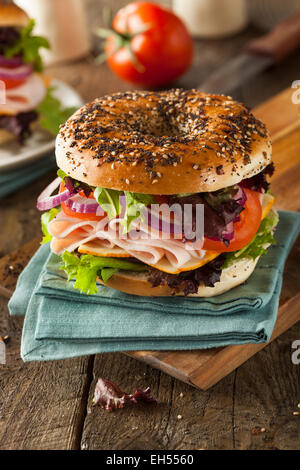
<point>25,94</point>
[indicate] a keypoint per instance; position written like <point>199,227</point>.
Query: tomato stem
<point>122,40</point>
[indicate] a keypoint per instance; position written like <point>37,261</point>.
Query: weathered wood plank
<point>42,404</point>
<point>158,427</point>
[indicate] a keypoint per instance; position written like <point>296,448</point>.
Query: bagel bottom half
<point>138,284</point>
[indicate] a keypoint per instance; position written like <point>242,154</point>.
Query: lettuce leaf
<point>256,247</point>
<point>28,45</point>
<point>135,204</point>
<point>109,200</point>
<point>86,268</point>
<point>45,219</point>
<point>52,114</point>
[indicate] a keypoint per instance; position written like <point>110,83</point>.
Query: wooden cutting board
<point>203,368</point>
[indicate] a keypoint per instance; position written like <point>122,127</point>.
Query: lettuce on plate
<point>52,113</point>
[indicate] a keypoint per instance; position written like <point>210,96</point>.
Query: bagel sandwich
<point>26,100</point>
<point>126,160</point>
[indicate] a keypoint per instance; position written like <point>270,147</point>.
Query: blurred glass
<point>212,18</point>
<point>63,23</point>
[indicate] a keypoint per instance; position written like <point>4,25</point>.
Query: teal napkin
<point>16,179</point>
<point>61,323</point>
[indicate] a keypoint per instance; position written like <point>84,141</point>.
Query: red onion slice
<point>84,205</point>
<point>17,73</point>
<point>12,62</point>
<point>46,201</point>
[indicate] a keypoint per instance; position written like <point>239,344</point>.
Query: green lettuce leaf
<point>257,246</point>
<point>52,114</point>
<point>135,203</point>
<point>86,268</point>
<point>28,47</point>
<point>61,174</point>
<point>109,200</point>
<point>45,219</point>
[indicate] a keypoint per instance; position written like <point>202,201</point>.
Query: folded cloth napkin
<point>15,179</point>
<point>61,323</point>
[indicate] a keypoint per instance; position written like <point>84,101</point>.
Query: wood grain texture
<point>262,392</point>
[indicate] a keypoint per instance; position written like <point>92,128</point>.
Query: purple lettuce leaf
<point>8,36</point>
<point>189,281</point>
<point>259,182</point>
<point>220,209</point>
<point>76,186</point>
<point>110,397</point>
<point>19,124</point>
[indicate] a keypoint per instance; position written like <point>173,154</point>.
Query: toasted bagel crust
<point>168,142</point>
<point>137,283</point>
<point>12,15</point>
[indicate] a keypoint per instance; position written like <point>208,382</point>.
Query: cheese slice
<point>165,266</point>
<point>93,248</point>
<point>267,203</point>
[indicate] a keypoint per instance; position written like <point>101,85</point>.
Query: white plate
<point>13,155</point>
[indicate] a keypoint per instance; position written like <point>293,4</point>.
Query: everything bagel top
<point>168,142</point>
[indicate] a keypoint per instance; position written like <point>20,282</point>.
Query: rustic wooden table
<point>48,405</point>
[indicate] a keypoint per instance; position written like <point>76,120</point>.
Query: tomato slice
<point>12,83</point>
<point>68,212</point>
<point>244,230</point>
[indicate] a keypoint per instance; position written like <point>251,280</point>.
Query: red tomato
<point>67,211</point>
<point>152,46</point>
<point>244,230</point>
<point>12,83</point>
